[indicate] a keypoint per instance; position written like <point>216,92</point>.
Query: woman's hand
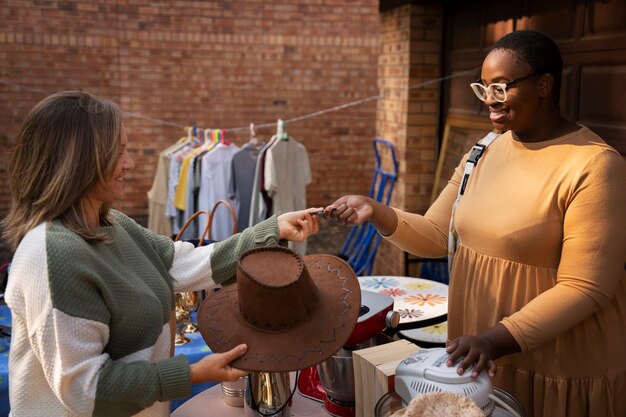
<point>296,226</point>
<point>476,351</point>
<point>482,350</point>
<point>353,210</point>
<point>216,367</point>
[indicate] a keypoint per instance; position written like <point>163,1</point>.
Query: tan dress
<point>543,248</point>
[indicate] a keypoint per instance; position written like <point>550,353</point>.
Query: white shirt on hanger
<point>215,179</point>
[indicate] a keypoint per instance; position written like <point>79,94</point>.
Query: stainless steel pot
<point>337,372</point>
<point>268,394</point>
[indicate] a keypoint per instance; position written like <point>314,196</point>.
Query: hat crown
<point>276,292</point>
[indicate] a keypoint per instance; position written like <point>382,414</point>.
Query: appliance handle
<point>504,405</point>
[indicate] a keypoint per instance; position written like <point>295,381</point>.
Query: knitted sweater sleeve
<point>205,267</point>
<point>198,268</point>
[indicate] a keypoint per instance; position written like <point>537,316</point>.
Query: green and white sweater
<point>91,331</point>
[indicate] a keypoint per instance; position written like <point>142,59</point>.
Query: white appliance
<point>426,371</point>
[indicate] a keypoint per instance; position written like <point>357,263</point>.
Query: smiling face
<point>521,110</point>
<point>113,191</point>
<point>125,164</point>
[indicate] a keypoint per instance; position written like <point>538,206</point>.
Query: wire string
<point>155,120</point>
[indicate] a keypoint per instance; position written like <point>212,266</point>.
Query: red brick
<point>205,63</point>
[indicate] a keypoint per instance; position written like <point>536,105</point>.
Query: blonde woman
<point>90,291</point>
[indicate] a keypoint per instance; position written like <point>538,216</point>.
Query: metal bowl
<point>388,404</point>
<point>337,376</point>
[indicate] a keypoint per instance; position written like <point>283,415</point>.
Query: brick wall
<point>411,38</point>
<point>210,63</point>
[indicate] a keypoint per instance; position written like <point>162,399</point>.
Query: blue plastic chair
<point>362,242</point>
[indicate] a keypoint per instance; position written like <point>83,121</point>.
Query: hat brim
<point>331,323</point>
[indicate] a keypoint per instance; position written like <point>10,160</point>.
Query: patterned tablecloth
<point>422,304</point>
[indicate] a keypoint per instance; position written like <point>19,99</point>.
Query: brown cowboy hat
<point>292,312</point>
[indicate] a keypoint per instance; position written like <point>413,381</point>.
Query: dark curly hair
<point>537,50</point>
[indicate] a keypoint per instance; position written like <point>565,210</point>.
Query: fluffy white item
<point>440,404</point>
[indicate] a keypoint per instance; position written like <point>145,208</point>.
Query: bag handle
<point>232,213</point>
<point>207,227</point>
<point>470,165</point>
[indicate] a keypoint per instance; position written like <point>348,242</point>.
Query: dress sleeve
<point>592,255</point>
<point>427,235</point>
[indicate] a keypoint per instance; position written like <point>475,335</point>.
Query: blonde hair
<point>67,144</point>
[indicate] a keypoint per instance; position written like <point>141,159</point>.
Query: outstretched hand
<point>216,366</point>
<point>351,210</point>
<point>296,226</point>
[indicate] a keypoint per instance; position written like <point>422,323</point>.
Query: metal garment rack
<point>362,242</point>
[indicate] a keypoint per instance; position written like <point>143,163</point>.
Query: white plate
<point>437,333</point>
<point>416,299</point>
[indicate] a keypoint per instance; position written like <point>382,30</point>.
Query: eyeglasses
<point>496,90</point>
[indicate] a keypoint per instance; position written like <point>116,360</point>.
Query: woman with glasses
<point>537,294</point>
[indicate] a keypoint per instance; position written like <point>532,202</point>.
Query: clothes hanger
<point>280,130</point>
<point>193,137</point>
<point>253,140</point>
<point>189,130</point>
<point>223,137</point>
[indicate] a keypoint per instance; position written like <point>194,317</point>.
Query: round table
<point>422,304</point>
<point>210,403</point>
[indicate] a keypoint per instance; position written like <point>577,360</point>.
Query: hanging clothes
<point>214,183</point>
<point>177,216</point>
<point>157,195</point>
<point>180,196</point>
<point>193,176</point>
<point>258,207</point>
<point>187,190</point>
<point>243,169</point>
<point>287,173</point>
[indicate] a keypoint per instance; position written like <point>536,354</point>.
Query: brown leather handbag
<point>232,213</point>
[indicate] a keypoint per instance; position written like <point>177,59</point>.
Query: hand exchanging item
<point>354,210</point>
<point>298,225</point>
